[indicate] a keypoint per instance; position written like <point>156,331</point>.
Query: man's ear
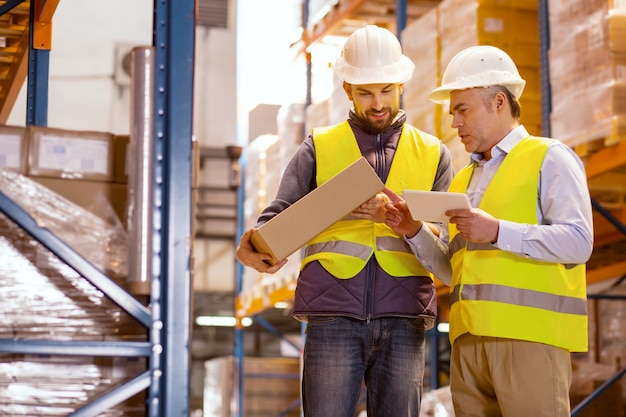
<point>500,100</point>
<point>348,90</point>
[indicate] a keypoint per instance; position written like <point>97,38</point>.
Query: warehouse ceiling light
<point>221,321</point>
<point>281,305</point>
<point>443,327</point>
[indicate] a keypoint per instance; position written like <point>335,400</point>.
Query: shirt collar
<point>505,145</point>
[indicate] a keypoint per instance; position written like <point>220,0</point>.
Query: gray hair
<point>488,93</point>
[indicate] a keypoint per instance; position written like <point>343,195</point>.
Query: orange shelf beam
<point>248,307</point>
<point>606,160</point>
<point>604,273</point>
<point>330,22</point>
<point>42,26</point>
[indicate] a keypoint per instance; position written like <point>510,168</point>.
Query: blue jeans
<point>341,353</point>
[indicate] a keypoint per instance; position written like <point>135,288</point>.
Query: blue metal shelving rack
<point>168,317</point>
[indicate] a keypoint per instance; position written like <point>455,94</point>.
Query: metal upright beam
<point>400,18</point>
<point>400,25</point>
<point>174,43</point>
<point>38,72</point>
<point>544,68</point>
<point>238,331</point>
<point>76,347</point>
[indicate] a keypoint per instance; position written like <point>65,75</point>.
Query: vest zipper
<point>371,264</point>
<point>380,157</point>
<point>369,288</point>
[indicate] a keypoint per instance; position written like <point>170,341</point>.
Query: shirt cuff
<point>510,236</point>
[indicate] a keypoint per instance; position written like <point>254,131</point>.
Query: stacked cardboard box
<point>262,177</point>
<point>271,387</point>
<point>13,148</point>
<point>420,42</point>
<point>587,63</point>
<point>512,26</point>
<point>338,104</point>
<point>432,41</point>
<point>586,378</point>
<point>318,114</point>
<point>79,165</point>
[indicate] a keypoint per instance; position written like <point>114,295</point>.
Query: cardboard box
<point>59,153</point>
<point>120,152</point>
<point>13,148</point>
<point>85,193</point>
<point>328,203</point>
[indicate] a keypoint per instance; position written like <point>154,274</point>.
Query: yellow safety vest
<point>496,293</point>
<point>344,248</point>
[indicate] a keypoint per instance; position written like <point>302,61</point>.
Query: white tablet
<point>431,206</point>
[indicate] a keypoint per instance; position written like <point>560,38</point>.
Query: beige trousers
<point>493,377</point>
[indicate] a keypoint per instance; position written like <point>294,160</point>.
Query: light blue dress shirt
<point>565,230</point>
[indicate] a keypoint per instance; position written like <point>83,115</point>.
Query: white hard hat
<point>372,55</point>
<point>479,66</point>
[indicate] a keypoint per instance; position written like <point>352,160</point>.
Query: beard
<point>377,125</point>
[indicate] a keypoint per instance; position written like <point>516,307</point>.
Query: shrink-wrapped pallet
<point>271,387</point>
<point>262,176</point>
<point>420,42</point>
<point>509,25</point>
<point>587,63</point>
<point>45,299</point>
<point>339,105</point>
<point>466,23</point>
<point>586,378</point>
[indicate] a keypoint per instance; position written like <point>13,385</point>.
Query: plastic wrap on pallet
<point>36,307</point>
<point>97,235</point>
<point>41,386</point>
<point>513,26</point>
<point>290,121</point>
<point>141,153</point>
<point>45,299</point>
<point>420,42</point>
<point>606,355</point>
<point>588,73</point>
<point>46,398</point>
<point>465,23</point>
<point>262,174</point>
<point>42,297</point>
<point>586,378</point>
<point>612,334</point>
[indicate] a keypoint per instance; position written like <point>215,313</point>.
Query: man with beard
<point>365,298</point>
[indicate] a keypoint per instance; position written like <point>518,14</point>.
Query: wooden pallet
<point>609,189</point>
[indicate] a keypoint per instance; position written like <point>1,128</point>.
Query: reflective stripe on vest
<point>499,294</point>
<point>520,297</point>
<point>357,250</point>
<point>344,248</point>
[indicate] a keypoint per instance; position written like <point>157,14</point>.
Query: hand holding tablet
<point>431,206</point>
